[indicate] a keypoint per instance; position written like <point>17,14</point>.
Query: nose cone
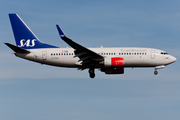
<point>172,59</point>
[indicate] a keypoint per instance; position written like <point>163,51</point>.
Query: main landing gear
<point>91,73</point>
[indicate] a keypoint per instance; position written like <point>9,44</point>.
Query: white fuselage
<point>132,57</point>
<point>108,60</point>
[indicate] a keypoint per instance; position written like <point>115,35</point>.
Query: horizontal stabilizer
<point>17,49</point>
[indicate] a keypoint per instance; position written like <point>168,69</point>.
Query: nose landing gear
<point>155,72</point>
<point>91,73</point>
<point>158,67</point>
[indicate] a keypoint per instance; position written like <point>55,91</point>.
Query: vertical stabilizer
<point>24,37</point>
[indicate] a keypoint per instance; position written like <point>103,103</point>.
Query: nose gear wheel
<point>155,72</point>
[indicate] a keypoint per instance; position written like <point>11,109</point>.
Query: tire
<point>155,72</point>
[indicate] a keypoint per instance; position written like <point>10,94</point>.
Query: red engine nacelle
<point>113,65</point>
<point>115,61</point>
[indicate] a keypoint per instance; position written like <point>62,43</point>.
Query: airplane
<point>108,60</point>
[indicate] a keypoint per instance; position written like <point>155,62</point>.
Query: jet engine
<point>113,62</point>
<point>113,65</point>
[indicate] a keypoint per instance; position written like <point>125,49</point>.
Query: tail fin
<point>24,37</point>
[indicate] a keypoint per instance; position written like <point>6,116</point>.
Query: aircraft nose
<point>173,59</point>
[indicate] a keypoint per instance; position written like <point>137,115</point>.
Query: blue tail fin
<point>24,37</point>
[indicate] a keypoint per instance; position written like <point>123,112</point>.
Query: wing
<point>85,55</point>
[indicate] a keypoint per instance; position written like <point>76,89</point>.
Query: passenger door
<point>153,54</point>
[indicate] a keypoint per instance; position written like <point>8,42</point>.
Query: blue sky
<point>33,91</point>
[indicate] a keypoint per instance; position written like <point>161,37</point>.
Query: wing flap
<point>84,58</point>
<point>80,54</point>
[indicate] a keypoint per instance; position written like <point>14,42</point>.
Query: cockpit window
<point>164,53</point>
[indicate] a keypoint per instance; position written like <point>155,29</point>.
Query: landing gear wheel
<point>155,72</point>
<point>91,73</point>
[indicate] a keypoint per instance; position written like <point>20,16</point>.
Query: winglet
<point>61,33</point>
